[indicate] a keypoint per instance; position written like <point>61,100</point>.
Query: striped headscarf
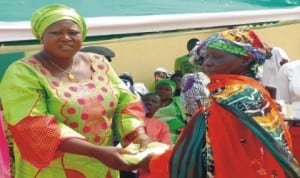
<point>197,54</point>
<point>242,42</point>
<point>45,16</point>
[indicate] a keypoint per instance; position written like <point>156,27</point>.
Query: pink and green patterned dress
<point>41,111</point>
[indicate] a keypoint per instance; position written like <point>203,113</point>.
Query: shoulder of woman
<point>20,64</point>
<point>91,57</point>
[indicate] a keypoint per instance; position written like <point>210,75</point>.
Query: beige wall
<point>142,55</point>
<point>287,37</point>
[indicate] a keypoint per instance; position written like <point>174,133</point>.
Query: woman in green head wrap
<point>44,17</point>
<point>171,110</point>
<point>60,105</point>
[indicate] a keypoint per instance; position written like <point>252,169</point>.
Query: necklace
<point>70,76</point>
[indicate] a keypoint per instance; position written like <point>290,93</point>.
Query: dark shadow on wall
<point>6,59</point>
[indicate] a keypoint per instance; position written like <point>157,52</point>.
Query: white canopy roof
<point>101,26</point>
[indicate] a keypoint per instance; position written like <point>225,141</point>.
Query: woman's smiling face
<point>62,39</point>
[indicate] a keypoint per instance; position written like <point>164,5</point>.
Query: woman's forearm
<point>78,146</point>
<point>108,155</point>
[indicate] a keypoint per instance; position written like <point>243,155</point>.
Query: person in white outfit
<point>272,66</point>
<point>288,86</point>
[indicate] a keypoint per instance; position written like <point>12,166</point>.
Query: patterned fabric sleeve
<point>36,133</point>
<point>129,111</point>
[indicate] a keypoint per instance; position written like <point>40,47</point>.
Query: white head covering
<point>271,67</point>
<point>161,69</point>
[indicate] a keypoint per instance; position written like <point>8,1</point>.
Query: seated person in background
<point>182,63</point>
<point>272,65</point>
<point>128,80</point>
<point>108,53</point>
<point>194,91</point>
<point>288,86</point>
<point>159,73</point>
<point>176,77</point>
<point>170,110</point>
<point>138,89</point>
<point>155,128</point>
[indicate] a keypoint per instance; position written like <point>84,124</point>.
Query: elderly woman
<point>239,131</point>
<point>60,105</point>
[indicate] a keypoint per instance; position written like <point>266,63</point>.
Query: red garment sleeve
<point>37,139</point>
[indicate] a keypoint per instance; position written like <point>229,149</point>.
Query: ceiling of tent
<point>21,10</point>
